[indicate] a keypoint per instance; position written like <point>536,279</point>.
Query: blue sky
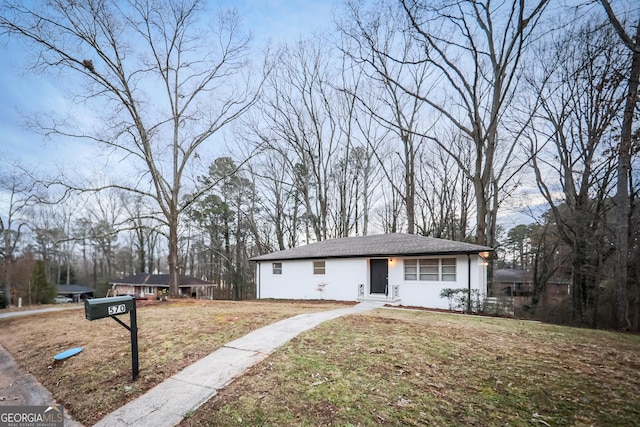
<point>283,19</point>
<point>23,93</point>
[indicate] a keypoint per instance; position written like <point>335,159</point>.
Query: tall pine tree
<point>41,291</point>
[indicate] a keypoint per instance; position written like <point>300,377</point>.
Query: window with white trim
<point>430,269</point>
<point>318,267</point>
<point>277,268</point>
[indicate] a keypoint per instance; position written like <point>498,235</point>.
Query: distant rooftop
<point>160,280</point>
<point>74,289</point>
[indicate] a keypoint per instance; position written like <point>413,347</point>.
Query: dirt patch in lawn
<point>395,367</point>
<point>171,336</point>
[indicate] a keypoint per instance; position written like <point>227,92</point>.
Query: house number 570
<point>116,309</point>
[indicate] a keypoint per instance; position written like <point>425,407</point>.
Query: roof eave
<point>388,255</point>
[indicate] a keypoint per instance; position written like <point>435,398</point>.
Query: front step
<point>377,299</point>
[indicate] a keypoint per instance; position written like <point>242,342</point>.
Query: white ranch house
<point>401,269</point>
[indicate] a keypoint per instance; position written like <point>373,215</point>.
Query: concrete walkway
<point>169,402</point>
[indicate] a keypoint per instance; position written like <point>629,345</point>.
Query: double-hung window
<point>429,269</point>
<point>277,268</point>
<point>410,269</point>
<point>448,269</point>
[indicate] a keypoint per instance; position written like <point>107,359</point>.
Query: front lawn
<point>391,367</point>
<point>172,335</point>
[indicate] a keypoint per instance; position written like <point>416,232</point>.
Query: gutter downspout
<point>469,283</point>
<point>258,280</point>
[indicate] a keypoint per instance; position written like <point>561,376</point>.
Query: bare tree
<point>445,195</point>
<point>47,236</point>
<point>476,48</point>
<point>303,126</point>
<point>389,213</point>
<point>162,83</point>
<point>62,216</point>
<point>108,217</point>
<point>355,173</point>
<point>277,200</point>
<point>625,151</point>
<point>373,41</point>
<point>17,188</point>
<point>572,141</point>
<point>81,233</point>
<point>145,227</point>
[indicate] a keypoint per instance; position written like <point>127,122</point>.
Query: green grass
<point>392,367</point>
<point>385,367</point>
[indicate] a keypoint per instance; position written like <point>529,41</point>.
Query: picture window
<point>430,269</point>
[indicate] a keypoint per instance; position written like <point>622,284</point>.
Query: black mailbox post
<point>99,308</point>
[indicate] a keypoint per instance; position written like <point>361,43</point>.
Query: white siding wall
<point>297,280</point>
<point>427,293</point>
<point>342,277</point>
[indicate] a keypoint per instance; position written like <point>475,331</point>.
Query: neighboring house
<point>512,283</point>
<point>401,269</point>
<point>148,286</point>
<point>518,285</point>
<point>76,292</point>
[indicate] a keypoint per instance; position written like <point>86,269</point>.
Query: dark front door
<point>379,276</point>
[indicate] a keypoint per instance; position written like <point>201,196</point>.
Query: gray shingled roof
<point>376,245</point>
<point>508,275</point>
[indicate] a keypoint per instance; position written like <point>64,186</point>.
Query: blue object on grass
<point>67,353</point>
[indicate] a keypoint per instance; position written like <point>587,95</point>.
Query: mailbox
<point>99,308</point>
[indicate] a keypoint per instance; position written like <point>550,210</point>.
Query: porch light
<point>483,256</point>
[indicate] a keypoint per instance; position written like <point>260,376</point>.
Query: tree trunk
<point>596,293</point>
<point>578,285</point>
<point>481,211</point>
<point>410,183</point>
<point>174,268</point>
<point>635,320</point>
<point>7,280</point>
<point>142,257</point>
<point>620,303</point>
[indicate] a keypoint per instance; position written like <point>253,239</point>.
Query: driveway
<point>19,388</point>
